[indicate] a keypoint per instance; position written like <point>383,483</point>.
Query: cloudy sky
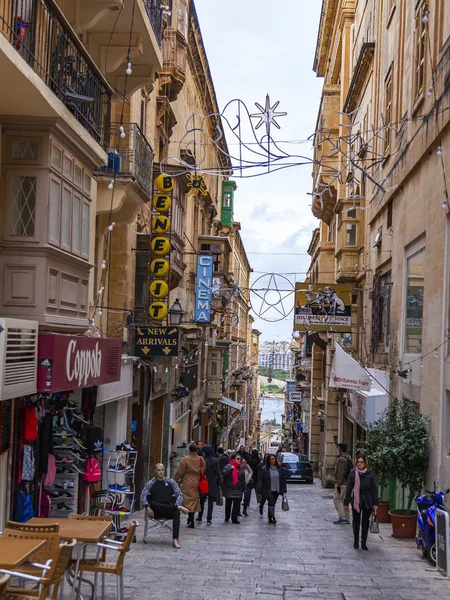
<point>254,48</point>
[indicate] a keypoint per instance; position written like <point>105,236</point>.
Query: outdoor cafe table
<point>15,551</point>
<point>87,531</point>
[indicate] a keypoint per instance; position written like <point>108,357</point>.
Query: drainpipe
<point>442,361</point>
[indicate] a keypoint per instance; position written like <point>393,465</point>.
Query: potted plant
<point>377,453</point>
<point>408,443</point>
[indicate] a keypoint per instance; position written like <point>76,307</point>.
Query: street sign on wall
<point>295,396</point>
<point>156,341</point>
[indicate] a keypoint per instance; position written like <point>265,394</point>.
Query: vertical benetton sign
<point>203,288</point>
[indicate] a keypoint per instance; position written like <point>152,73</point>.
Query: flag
<point>347,373</point>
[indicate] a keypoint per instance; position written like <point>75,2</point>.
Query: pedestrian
<point>188,473</point>
<point>272,484</point>
<point>200,448</point>
<point>242,452</point>
<point>341,472</point>
<point>233,476</point>
<point>362,493</point>
<point>253,463</point>
<point>248,486</point>
<point>214,477</point>
<point>162,499</point>
<point>224,459</point>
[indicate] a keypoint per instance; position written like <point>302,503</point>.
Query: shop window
<point>351,235</point>
<point>414,302</point>
<point>22,216</point>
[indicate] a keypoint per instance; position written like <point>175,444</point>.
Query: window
<point>183,19</point>
<point>69,215</point>
<point>143,113</point>
<point>420,45</point>
<point>227,200</point>
<point>389,214</point>
<point>351,235</point>
<point>414,302</point>
<point>22,194</point>
<point>351,213</point>
<point>387,112</point>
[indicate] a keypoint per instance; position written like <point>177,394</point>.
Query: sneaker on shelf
<point>63,446</point>
<point>119,488</point>
<point>67,460</point>
<point>55,495</point>
<point>71,406</point>
<point>64,508</point>
<point>77,455</point>
<point>77,469</point>
<point>120,468</point>
<point>123,530</point>
<point>61,432</point>
<point>66,496</point>
<point>64,483</point>
<point>79,443</point>
<point>76,414</point>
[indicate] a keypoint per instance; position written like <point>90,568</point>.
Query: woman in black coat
<point>233,476</point>
<point>272,483</point>
<point>362,494</point>
<point>212,472</point>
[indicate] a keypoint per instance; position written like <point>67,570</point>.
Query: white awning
<point>347,373</point>
<point>231,403</point>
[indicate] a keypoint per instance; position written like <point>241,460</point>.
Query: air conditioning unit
<point>214,389</point>
<point>18,357</point>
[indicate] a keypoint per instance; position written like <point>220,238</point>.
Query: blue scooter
<point>426,521</point>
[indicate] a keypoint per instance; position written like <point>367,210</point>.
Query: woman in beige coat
<point>188,473</point>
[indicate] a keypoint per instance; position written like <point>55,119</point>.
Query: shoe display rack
<point>69,451</point>
<point>121,472</point>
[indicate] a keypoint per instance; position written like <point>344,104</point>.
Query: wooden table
<point>15,551</point>
<point>89,531</point>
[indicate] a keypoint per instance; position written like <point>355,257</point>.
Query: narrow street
<point>303,557</point>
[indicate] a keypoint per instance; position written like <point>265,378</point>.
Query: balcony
<point>155,13</point>
<point>41,35</point>
<point>130,161</point>
<point>173,75</point>
<point>104,25</point>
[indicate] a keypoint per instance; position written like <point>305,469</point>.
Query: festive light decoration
<point>267,115</point>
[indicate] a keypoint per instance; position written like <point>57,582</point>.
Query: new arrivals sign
<point>203,288</point>
<point>156,341</point>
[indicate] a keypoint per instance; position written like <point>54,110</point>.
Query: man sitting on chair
<point>162,498</point>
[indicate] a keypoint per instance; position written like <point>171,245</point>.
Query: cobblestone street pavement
<point>303,557</point>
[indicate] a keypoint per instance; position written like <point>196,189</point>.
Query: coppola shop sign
<point>68,362</point>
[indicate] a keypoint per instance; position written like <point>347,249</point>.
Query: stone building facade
<point>386,67</point>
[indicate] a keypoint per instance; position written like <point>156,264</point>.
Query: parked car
<point>297,466</point>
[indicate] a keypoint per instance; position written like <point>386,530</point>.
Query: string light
<point>128,71</point>
<point>425,18</point>
<point>439,151</point>
<point>430,92</point>
<point>122,131</point>
<point>100,312</point>
<point>103,265</point>
<point>111,226</point>
<point>111,184</point>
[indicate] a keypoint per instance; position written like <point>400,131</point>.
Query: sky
<point>254,48</point>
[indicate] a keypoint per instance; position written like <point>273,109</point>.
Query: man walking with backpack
<point>341,472</point>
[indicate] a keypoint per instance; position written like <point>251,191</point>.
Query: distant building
<point>276,356</point>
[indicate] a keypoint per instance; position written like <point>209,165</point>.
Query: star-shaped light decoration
<point>267,115</point>
<point>197,182</point>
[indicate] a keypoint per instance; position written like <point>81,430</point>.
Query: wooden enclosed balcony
<point>173,75</point>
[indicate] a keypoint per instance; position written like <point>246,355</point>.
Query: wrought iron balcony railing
<point>155,13</point>
<point>130,156</point>
<point>45,40</point>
